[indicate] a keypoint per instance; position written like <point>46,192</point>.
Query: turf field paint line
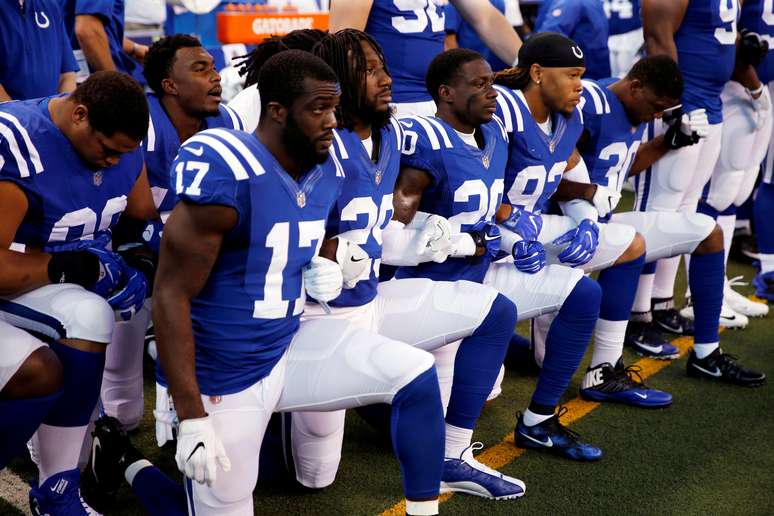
<point>14,490</point>
<point>506,451</point>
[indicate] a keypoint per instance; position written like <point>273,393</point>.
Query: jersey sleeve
<point>101,8</point>
<point>19,156</point>
<point>208,170</point>
<point>230,118</point>
<point>592,107</point>
<point>561,17</point>
<point>508,111</point>
<point>422,145</point>
<point>69,64</point>
<point>453,20</point>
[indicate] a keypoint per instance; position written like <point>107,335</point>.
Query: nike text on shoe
<point>647,341</point>
<point>60,494</point>
<point>720,366</point>
<point>764,285</point>
<point>621,384</point>
<point>466,475</point>
<point>741,304</point>
<point>667,318</point>
<point>551,436</point>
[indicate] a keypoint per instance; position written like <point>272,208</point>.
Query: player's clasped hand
<point>435,235</point>
<point>73,262</point>
<point>200,450</point>
<point>323,279</point>
<point>129,298</point>
<point>524,223</point>
<point>605,200</point>
<point>529,256</point>
<point>582,240</point>
<point>487,235</point>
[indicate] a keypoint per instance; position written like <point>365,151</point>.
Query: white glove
<point>353,260</point>
<point>761,105</point>
<point>697,122</point>
<point>605,200</point>
<point>198,450</point>
<point>435,235</point>
<point>323,279</point>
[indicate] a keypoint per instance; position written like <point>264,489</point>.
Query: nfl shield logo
<point>97,178</point>
<point>485,161</point>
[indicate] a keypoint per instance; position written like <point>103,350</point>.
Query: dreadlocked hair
<point>302,39</point>
<point>344,53</point>
<point>513,78</point>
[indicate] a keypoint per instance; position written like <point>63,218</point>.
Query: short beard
<point>377,119</point>
<point>300,146</point>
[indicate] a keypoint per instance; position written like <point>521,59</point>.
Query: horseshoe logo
<point>577,52</point>
<point>45,23</point>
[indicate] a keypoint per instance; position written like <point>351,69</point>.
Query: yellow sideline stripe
<point>506,451</point>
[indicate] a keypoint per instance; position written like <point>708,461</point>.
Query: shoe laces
<point>736,281</point>
<point>727,362</point>
<point>559,427</point>
<point>631,375</point>
<point>467,456</point>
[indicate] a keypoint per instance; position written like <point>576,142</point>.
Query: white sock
<point>134,468</point>
<point>457,440</point>
<point>608,341</point>
<point>644,293</point>
<point>702,350</point>
<point>666,271</point>
<point>425,508</point>
<point>532,419</point>
<point>58,448</point>
<point>767,262</point>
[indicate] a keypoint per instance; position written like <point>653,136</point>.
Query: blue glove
<point>529,256</point>
<point>487,235</point>
<point>152,235</point>
<point>128,299</point>
<point>110,263</point>
<point>583,241</point>
<point>524,223</point>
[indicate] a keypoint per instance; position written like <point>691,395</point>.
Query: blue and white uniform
<point>410,38</point>
<point>161,146</point>
<point>34,48</point>
<point>626,40</point>
<point>254,355</point>
<point>584,22</point>
<point>423,313</point>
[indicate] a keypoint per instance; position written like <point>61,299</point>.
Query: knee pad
<point>91,318</point>
<point>317,438</point>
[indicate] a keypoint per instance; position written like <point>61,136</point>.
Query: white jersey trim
<point>33,151</point>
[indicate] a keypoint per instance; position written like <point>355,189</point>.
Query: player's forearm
<point>495,31</point>
<point>4,96</point>
<point>660,21</point>
<point>66,82</point>
<point>175,343</point>
<point>349,14</point>
<point>569,190</point>
<point>648,153</point>
<point>746,75</point>
<point>94,42</point>
<point>22,272</point>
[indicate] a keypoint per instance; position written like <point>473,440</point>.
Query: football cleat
<point>647,341</point>
<point>764,285</point>
<point>741,304</point>
<point>60,494</point>
<point>621,384</point>
<point>667,318</point>
<point>552,436</point>
<point>467,475</point>
<point>720,366</point>
<point>729,318</point>
<point>111,453</point>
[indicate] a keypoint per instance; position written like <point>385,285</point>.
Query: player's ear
<point>635,87</point>
<point>277,112</point>
<point>536,73</point>
<point>445,93</point>
<point>80,115</point>
<point>169,87</point>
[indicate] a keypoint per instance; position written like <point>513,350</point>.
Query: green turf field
<point>710,453</point>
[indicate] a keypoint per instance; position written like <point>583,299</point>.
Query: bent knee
<point>713,243</point>
<point>635,250</point>
<point>319,425</point>
<point>587,292</point>
<point>92,320</point>
<point>39,375</point>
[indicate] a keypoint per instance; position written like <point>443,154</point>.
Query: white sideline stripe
<point>14,490</point>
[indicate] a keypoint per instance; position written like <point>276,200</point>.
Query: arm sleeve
<point>101,8</point>
<point>453,20</point>
<point>69,64</point>
<point>418,152</point>
<point>561,17</point>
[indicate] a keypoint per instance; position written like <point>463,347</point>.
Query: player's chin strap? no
<point>200,450</point>
<point>353,260</point>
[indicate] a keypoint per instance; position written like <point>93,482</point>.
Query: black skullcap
<point>551,50</point>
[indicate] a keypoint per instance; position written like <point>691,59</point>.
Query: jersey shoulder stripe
<point>151,138</point>
<point>428,130</point>
<point>8,124</point>
<point>500,126</point>
<point>597,96</point>
<point>441,130</point>
<point>236,121</point>
<point>336,163</point>
<point>338,146</point>
<point>509,110</point>
<point>398,130</point>
<point>222,144</point>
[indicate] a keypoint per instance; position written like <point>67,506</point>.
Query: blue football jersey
<point>364,207</point>
<point>467,186</point>
<point>411,34</point>
<point>622,15</point>
<point>584,22</point>
<point>161,146</point>
<point>34,48</point>
<point>706,49</point>
<point>612,141</point>
<point>67,200</point>
<point>537,160</point>
<point>245,316</point>
<point>758,16</point>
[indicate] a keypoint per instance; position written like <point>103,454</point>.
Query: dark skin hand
<point>193,236</point>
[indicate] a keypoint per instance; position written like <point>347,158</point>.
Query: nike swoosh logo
<point>652,349</point>
<point>716,373</point>
<point>352,259</point>
<point>198,445</point>
<point>732,318</point>
<point>95,447</point>
<point>489,238</point>
<point>407,123</point>
<point>195,151</point>
<point>548,443</point>
<point>640,395</point>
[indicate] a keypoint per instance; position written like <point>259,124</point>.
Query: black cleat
<point>720,366</point>
<point>667,318</point>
